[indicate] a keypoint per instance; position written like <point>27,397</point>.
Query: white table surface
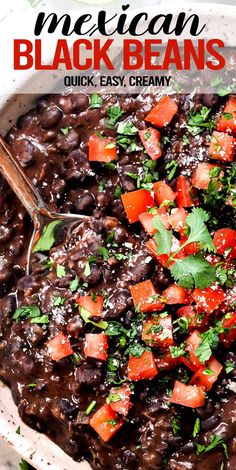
<point>9,460</point>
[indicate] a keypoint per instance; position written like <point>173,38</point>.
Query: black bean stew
<point>120,343</point>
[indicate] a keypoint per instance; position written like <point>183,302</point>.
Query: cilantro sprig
<point>199,121</point>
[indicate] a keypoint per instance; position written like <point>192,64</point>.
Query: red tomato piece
<point>186,194</point>
<point>201,176</point>
<point>195,319</point>
<point>158,331</point>
<point>59,347</point>
<point>225,240</point>
<point>192,344</point>
<point>177,219</point>
<point>166,361</point>
<point>190,248</point>
<point>145,297</point>
<point>94,307</point>
<point>102,149</point>
<point>207,376</point>
<point>229,336</point>
<point>209,299</point>
<point>137,202</point>
<point>175,294</point>
<point>123,405</point>
<point>96,346</point>
<point>151,139</point>
<point>106,422</point>
<point>163,112</point>
<point>163,192</point>
<point>222,147</point>
<point>227,121</point>
<point>143,367</point>
<point>146,220</point>
<point>151,247</point>
<point>187,395</point>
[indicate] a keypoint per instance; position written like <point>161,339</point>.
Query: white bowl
<point>34,447</point>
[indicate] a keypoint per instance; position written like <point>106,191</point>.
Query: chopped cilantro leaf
<point>215,441</point>
<point>90,407</point>
<point>86,317</point>
<point>96,101</point>
<point>127,128</point>
<point>199,121</point>
<point>74,285</point>
<point>193,271</point>
<point>113,398</point>
<point>229,366</point>
<point>114,113</point>
<point>163,237</point>
<point>60,271</point>
<point>47,239</point>
<point>197,427</point>
<point>172,167</point>
<point>65,130</point>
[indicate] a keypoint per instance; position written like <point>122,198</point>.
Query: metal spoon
<point>43,219</point>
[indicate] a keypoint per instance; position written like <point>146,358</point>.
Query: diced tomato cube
<point>193,342</point>
<point>195,319</point>
<point>177,219</point>
<point>163,112</point>
<point>94,307</point>
<point>151,247</point>
<point>209,299</point>
<point>143,367</point>
<point>229,336</point>
<point>187,395</point>
<point>225,242</point>
<point>163,192</point>
<point>96,346</point>
<point>59,347</point>
<point>158,331</point>
<point>102,149</point>
<point>227,121</point>
<point>207,376</point>
<point>175,294</point>
<point>106,422</point>
<point>145,297</point>
<point>146,220</point>
<point>166,361</point>
<point>190,248</point>
<point>222,147</point>
<point>122,405</point>
<point>186,194</point>
<point>151,139</point>
<point>201,176</point>
<point>137,202</point>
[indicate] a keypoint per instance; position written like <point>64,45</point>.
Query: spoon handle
<point>18,181</point>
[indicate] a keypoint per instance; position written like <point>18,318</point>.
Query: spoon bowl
<point>45,221</point>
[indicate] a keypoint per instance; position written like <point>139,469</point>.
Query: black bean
<point>69,142</point>
<point>76,166</point>
<point>84,203</point>
<point>121,234</point>
<point>67,407</point>
<point>75,326</point>
<point>25,152</point>
<point>118,302</point>
<point>8,305</point>
<point>130,459</point>
<point>50,117</point>
<point>5,233</point>
<point>80,102</point>
<point>88,376</point>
